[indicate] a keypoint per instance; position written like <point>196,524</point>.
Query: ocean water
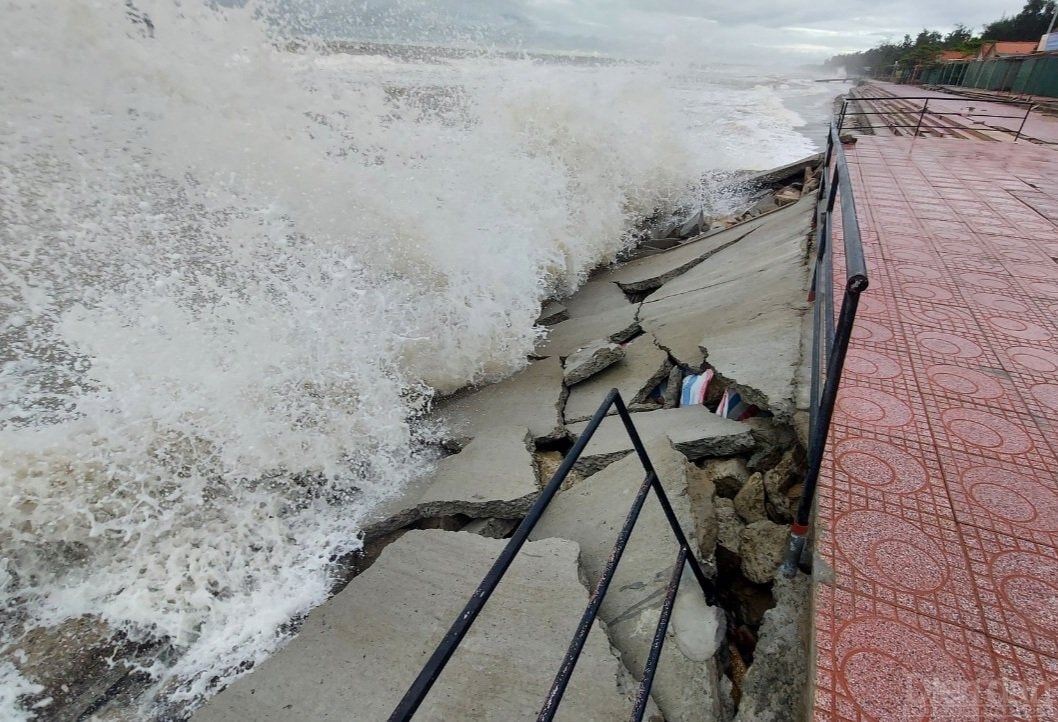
<point>233,275</point>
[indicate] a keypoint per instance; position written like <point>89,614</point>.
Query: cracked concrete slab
<point>645,274</point>
<point>357,654</point>
<point>693,430</point>
<point>493,476</point>
<point>686,687</point>
<point>643,367</point>
<point>535,395</point>
<point>599,310</point>
<point>743,308</point>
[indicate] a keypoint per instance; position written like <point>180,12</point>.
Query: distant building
<point>953,56</point>
<point>1005,49</point>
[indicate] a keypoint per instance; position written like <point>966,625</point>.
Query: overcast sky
<point>738,30</point>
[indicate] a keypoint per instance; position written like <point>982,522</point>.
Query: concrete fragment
<point>787,196</point>
<point>762,547</point>
<point>644,366</point>
<point>536,393</point>
<point>729,525</point>
<point>697,223</point>
<point>647,274</point>
<point>590,360</point>
<point>357,654</point>
<point>775,685</point>
<point>727,475</point>
<point>742,307</point>
<point>592,513</point>
<point>552,313</point>
<point>674,387</point>
<point>749,502</point>
<point>492,528</point>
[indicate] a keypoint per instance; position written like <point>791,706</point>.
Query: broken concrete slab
<point>644,366</point>
<point>493,476</point>
<point>536,394</point>
<point>775,685</point>
<point>357,654</point>
<point>686,687</point>
<point>598,295</point>
<point>742,308</point>
<point>585,362</point>
<point>647,274</point>
<point>552,313</point>
<point>762,547</point>
<point>783,173</point>
<point>693,430</point>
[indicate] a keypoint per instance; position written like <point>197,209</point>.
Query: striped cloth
<point>695,387</point>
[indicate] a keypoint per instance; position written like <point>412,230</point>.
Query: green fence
<point>1026,75</point>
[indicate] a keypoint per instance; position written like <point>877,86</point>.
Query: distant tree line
<point>1029,24</point>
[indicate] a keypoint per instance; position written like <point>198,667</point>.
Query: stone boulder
<point>749,502</point>
<point>762,547</point>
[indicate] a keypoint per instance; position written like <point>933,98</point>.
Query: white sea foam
<point>231,278</point>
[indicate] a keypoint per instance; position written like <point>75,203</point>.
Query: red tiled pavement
<point>938,500</point>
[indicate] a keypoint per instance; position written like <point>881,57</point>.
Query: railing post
<point>1024,120</point>
<point>921,116</point>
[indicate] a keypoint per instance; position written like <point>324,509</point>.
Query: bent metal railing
<point>829,343</point>
<point>447,647</point>
<point>919,124</point>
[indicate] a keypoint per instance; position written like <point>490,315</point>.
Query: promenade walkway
<point>975,113</point>
<point>938,505</point>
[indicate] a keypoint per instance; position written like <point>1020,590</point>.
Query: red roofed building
<point>1005,49</point>
<point>954,56</point>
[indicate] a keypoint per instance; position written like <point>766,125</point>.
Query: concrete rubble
<point>730,300</point>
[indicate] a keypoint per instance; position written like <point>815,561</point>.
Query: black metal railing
<point>415,695</point>
<point>919,124</point>
<point>829,343</point>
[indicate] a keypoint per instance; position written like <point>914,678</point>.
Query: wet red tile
<point>1016,500</point>
<point>938,500</point>
<point>887,663</point>
<point>1017,585</point>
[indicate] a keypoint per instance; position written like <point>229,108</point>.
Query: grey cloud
<point>740,31</point>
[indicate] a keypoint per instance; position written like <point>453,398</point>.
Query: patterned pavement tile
<point>1017,585</point>
<point>938,500</point>
<point>879,662</point>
